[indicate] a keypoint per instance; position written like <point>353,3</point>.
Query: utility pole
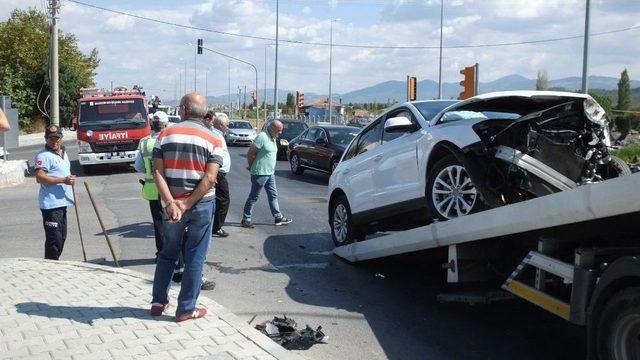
<point>275,83</point>
<point>265,82</point>
<point>54,6</point>
<point>111,85</point>
<point>229,88</point>
<point>195,72</point>
<point>440,67</point>
<point>185,77</point>
<point>585,56</point>
<point>244,103</point>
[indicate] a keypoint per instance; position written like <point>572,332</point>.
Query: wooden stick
<point>104,230</point>
<point>75,206</point>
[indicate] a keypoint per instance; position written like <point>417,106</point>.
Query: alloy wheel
<point>453,194</point>
<point>340,223</point>
<point>294,163</point>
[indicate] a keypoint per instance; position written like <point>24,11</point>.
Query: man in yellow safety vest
<point>143,161</point>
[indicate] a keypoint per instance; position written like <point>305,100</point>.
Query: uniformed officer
<point>53,173</point>
<point>159,121</point>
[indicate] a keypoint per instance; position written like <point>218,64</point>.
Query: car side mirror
<point>398,124</point>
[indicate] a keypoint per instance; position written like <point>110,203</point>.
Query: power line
<point>398,47</point>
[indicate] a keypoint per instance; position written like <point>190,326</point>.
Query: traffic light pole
<point>244,62</point>
<point>475,80</point>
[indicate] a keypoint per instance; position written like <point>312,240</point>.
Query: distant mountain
<point>428,89</point>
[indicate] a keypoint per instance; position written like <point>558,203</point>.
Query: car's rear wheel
<point>295,164</point>
<point>450,192</point>
<point>343,231</point>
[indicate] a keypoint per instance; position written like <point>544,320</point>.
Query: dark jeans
<point>156,213</point>
<point>196,245</point>
<point>55,231</point>
<point>223,198</point>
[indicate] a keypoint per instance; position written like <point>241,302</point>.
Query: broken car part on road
<point>284,332</point>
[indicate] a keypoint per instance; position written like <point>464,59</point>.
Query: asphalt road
<point>373,310</point>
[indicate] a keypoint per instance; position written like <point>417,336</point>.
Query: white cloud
<point>119,23</point>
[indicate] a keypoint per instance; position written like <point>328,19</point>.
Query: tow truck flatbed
<point>589,202</point>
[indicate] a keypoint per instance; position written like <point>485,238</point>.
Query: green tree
<point>24,59</point>
<point>624,102</point>
<point>543,80</point>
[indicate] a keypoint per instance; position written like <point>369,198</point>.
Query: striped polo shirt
<point>185,149</point>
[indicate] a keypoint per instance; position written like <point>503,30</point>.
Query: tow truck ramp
<point>600,200</point>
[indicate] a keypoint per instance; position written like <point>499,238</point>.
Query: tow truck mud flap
<point>584,203</point>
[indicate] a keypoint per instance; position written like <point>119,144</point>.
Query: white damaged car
<point>486,151</point>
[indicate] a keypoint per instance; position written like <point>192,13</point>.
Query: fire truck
<point>109,126</point>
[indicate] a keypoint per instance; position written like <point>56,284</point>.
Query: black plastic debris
<point>284,332</point>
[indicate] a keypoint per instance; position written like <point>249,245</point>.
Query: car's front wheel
<point>450,192</point>
<point>343,231</point>
<point>295,164</point>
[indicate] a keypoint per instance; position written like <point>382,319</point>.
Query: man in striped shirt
<point>186,159</point>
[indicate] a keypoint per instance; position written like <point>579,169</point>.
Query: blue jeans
<point>268,182</point>
<point>196,245</point>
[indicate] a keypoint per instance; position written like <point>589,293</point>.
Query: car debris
<point>284,332</point>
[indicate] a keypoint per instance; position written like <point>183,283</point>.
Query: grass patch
<point>630,154</point>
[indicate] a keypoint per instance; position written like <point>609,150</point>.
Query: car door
<point>397,178</point>
<point>321,154</point>
<point>305,152</point>
<point>358,172</point>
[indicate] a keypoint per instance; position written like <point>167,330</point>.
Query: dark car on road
<point>291,129</point>
<point>320,148</point>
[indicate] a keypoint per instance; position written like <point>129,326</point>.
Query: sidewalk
<point>73,310</point>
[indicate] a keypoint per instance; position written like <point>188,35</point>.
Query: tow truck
<point>574,253</point>
<point>110,125</point>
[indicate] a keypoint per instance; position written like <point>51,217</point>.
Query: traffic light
<point>469,82</point>
<point>199,46</point>
<point>299,99</point>
<point>254,97</point>
<point>412,88</point>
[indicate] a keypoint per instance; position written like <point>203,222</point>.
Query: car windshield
<point>293,128</point>
<point>429,109</point>
<point>240,125</point>
<point>342,136</point>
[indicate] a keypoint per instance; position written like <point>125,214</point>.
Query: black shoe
<point>283,221</point>
<point>177,277</point>
<point>246,224</point>
<point>207,284</point>
<point>221,233</point>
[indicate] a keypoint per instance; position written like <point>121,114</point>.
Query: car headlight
<point>594,112</point>
<point>284,142</point>
<point>84,147</point>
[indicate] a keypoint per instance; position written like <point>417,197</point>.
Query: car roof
<point>335,127</point>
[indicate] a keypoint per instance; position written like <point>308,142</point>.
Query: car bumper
<point>237,139</point>
<point>107,158</point>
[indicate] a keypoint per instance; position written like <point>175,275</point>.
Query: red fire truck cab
<point>110,125</point>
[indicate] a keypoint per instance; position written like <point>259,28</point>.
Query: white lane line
<point>307,266</point>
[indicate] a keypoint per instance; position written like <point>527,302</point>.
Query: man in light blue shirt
<point>53,173</point>
<point>261,159</point>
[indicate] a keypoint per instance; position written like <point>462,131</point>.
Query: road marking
<point>307,266</point>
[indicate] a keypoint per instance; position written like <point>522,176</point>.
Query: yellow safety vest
<point>149,190</point>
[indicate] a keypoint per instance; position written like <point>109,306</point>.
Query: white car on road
<point>439,159</point>
<point>240,132</point>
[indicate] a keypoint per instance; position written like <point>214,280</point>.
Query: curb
<point>221,312</point>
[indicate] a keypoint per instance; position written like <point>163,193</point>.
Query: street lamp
<point>244,62</point>
<point>275,83</point>
<point>330,62</point>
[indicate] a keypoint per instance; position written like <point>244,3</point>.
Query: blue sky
<point>135,51</point>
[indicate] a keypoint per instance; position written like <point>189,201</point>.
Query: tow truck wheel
<point>450,192</point>
<point>342,229</point>
<point>618,334</point>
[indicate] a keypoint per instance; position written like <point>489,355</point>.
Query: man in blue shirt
<point>53,173</point>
